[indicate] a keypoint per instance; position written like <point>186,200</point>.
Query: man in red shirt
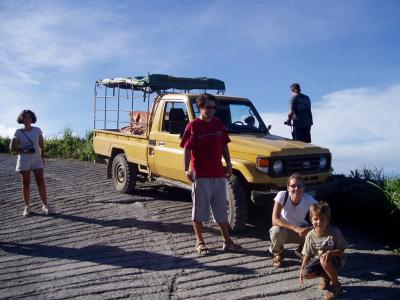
<point>205,141</point>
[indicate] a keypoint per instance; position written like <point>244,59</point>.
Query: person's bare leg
<point>224,227</point>
<point>26,186</point>
<point>331,271</point>
<point>39,176</point>
<point>197,226</point>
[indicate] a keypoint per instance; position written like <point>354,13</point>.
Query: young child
<point>323,251</point>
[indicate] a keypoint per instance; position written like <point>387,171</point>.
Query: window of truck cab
<point>237,116</point>
<point>175,117</point>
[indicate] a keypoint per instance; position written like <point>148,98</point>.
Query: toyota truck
<point>138,127</point>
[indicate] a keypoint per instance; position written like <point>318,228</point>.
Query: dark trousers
<point>302,134</point>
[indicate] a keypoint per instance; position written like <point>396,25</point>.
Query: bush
<point>66,145</point>
<point>70,146</point>
<point>368,200</point>
<point>4,144</point>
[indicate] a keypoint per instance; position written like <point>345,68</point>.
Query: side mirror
<point>269,127</point>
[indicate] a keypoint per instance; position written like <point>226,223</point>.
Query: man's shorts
<point>314,266</point>
<point>206,193</point>
<point>26,162</point>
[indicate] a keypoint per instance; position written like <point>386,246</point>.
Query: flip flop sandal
<point>278,261</point>
<point>202,249</point>
<point>325,283</point>
<point>230,246</point>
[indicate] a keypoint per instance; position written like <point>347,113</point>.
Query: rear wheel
<point>124,174</point>
<point>237,204</point>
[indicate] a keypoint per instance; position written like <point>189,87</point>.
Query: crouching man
<point>288,218</point>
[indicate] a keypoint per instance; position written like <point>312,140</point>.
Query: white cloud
<point>6,131</point>
<point>54,36</point>
<point>359,126</point>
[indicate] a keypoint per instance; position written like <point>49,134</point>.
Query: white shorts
<point>27,161</point>
<point>209,193</point>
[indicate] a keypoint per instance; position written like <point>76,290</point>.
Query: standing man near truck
<point>300,114</point>
<point>205,141</point>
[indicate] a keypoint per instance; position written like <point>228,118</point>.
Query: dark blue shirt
<point>300,105</point>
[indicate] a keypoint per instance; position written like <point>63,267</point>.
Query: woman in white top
<point>288,218</point>
<point>29,144</point>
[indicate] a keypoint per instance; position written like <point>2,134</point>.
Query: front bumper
<point>317,190</point>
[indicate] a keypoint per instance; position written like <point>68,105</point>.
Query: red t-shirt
<point>206,141</point>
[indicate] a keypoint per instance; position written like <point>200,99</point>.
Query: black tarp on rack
<point>160,82</point>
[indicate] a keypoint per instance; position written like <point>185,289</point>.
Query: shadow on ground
<point>115,256</point>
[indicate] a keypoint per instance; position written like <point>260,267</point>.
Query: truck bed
<point>135,146</point>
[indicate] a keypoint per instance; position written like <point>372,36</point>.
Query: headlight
<point>263,164</point>
<point>277,166</point>
<point>323,162</point>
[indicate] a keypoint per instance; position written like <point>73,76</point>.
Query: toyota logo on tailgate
<point>306,164</point>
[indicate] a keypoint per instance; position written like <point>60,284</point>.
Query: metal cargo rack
<point>118,95</point>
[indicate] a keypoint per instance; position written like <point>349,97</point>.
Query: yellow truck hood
<point>271,145</point>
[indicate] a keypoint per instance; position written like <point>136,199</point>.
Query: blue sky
<point>345,54</point>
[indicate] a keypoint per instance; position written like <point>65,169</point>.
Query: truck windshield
<point>237,117</point>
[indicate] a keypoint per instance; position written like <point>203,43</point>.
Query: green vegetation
<point>65,146</point>
<point>70,146</point>
<point>4,144</point>
<point>368,200</point>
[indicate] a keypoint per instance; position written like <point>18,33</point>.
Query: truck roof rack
<point>160,83</point>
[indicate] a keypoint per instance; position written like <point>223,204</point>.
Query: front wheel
<point>237,204</point>
<point>124,174</point>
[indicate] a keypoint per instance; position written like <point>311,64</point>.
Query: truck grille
<point>304,164</point>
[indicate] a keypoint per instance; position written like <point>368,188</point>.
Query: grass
<point>67,145</point>
<point>390,187</point>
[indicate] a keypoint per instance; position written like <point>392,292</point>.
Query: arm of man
<point>227,157</point>
<point>276,221</point>
<point>291,111</point>
<point>187,158</point>
<point>276,217</point>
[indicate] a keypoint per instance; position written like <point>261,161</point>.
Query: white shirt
<point>33,134</point>
<point>295,214</point>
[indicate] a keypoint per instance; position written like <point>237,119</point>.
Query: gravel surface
<point>100,244</point>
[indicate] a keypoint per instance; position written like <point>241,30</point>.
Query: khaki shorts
<point>209,193</point>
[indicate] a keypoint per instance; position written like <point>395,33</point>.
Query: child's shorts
<point>26,162</point>
<point>314,266</point>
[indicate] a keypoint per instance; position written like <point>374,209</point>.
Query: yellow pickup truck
<point>144,144</point>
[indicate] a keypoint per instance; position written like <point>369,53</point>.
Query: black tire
<point>237,204</point>
<point>124,174</point>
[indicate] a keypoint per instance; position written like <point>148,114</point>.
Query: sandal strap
<point>198,243</point>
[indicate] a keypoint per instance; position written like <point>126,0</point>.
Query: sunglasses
<point>299,186</point>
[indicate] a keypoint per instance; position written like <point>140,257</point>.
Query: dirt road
<point>99,244</point>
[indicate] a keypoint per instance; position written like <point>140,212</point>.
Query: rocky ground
<point>100,244</point>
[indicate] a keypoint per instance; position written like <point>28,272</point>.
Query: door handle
<point>161,143</point>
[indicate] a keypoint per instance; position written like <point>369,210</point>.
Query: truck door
<point>165,153</point>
